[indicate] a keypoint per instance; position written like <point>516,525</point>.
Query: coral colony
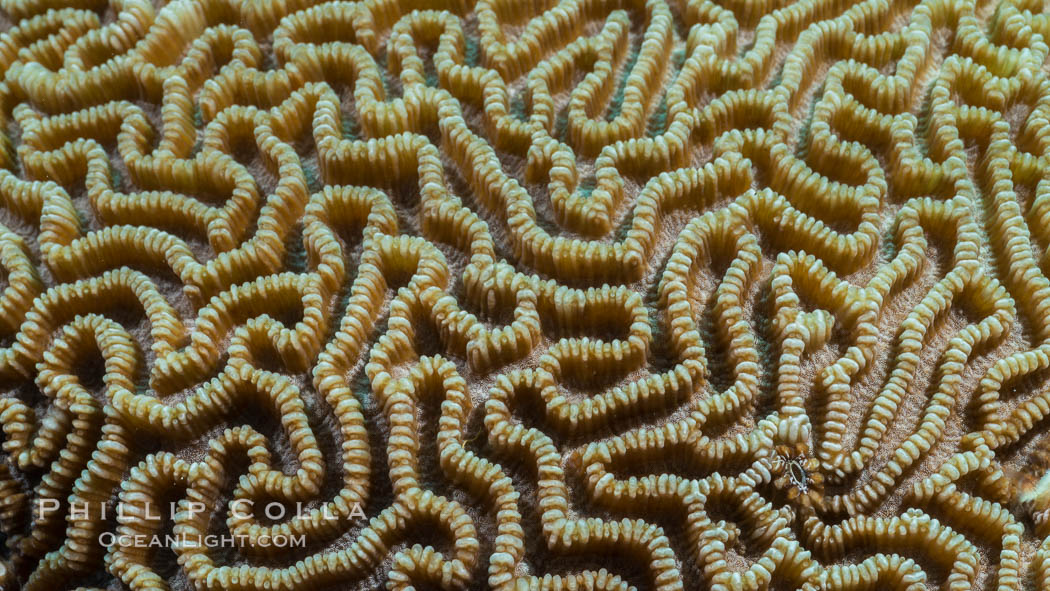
<point>524,294</point>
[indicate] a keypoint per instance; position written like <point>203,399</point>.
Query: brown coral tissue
<point>568,295</point>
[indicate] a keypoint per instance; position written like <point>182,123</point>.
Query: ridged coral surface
<point>525,295</point>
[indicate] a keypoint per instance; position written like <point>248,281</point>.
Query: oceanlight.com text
<point>238,508</point>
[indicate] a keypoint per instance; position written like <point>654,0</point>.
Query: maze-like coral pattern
<point>552,294</point>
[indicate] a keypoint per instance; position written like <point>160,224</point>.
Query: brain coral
<point>503,294</point>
